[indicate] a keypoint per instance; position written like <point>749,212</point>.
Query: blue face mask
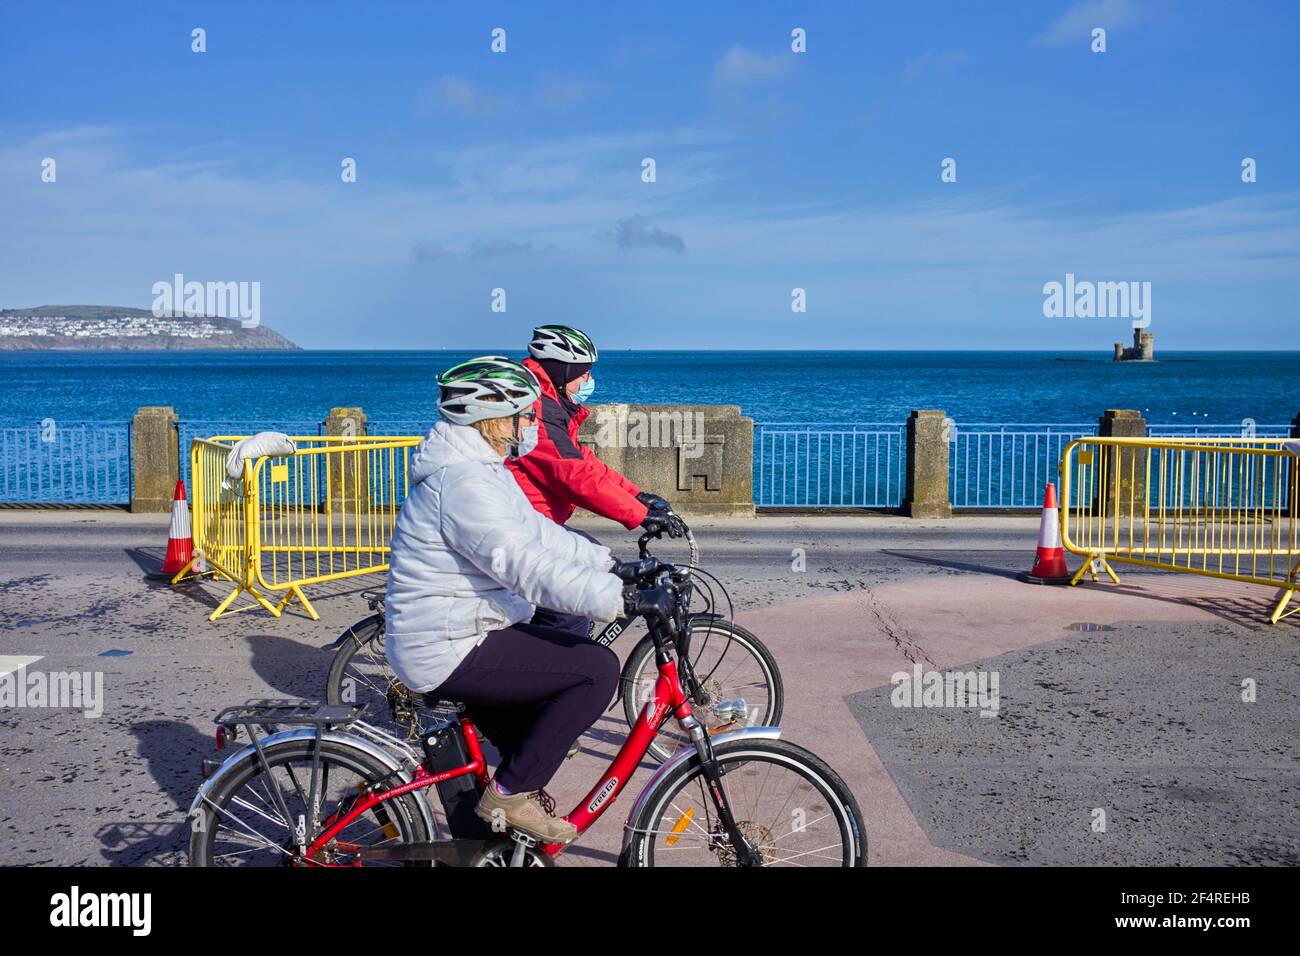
<point>584,390</point>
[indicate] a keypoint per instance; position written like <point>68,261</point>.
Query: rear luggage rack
<point>270,713</point>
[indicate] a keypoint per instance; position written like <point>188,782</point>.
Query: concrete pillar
<point>926,494</point>
<point>346,421</point>
<point>349,476</point>
<point>155,461</point>
<point>1122,469</point>
<point>699,457</point>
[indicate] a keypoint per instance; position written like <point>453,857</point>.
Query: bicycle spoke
<point>832,846</point>
<point>268,844</point>
<point>780,812</point>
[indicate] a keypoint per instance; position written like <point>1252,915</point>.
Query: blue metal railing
<point>796,464</point>
<point>199,428</point>
<point>387,427</point>
<point>54,462</point>
<point>815,465</point>
<point>1005,465</point>
<point>1246,429</point>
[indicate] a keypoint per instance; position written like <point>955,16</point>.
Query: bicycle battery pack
<point>444,749</point>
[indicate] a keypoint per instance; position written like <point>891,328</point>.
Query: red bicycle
<point>328,789</point>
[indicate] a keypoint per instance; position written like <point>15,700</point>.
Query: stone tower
<point>1143,348</point>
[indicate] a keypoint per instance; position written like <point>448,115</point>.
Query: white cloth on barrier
<point>255,446</point>
<point>1293,446</point>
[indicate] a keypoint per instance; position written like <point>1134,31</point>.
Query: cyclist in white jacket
<point>471,560</point>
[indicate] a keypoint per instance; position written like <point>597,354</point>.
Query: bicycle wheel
<point>242,823</point>
<point>730,664</point>
<point>789,806</point>
<point>359,674</point>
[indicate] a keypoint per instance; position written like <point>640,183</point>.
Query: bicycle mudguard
<point>686,753</point>
<point>389,759</point>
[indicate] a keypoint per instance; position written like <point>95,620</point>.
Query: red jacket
<point>560,475</point>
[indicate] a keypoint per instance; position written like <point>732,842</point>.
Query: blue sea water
<point>1036,387</point>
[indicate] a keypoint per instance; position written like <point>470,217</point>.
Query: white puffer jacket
<point>471,555</point>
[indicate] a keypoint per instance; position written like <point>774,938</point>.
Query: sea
<point>398,387</point>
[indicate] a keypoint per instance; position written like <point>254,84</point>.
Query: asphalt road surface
<point>1126,744</point>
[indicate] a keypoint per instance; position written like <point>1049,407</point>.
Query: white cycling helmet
<point>563,343</point>
<point>490,386</point>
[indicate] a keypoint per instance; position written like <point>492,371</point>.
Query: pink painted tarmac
<point>832,647</point>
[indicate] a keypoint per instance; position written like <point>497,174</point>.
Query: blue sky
<point>775,170</point>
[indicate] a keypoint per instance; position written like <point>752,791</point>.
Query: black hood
<point>561,374</point>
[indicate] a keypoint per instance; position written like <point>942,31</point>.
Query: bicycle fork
<point>709,764</point>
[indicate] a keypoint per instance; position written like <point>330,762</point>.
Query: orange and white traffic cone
<point>1049,561</point>
<point>180,543</point>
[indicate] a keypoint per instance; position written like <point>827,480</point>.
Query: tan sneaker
<point>530,813</point>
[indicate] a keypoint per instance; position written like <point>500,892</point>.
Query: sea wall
<point>706,459</point>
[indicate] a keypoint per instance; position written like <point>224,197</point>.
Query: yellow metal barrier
<point>1220,507</point>
<point>324,513</point>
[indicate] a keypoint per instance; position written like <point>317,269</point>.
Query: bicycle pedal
<point>519,836</point>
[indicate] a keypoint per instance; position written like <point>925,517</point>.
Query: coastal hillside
<point>108,327</point>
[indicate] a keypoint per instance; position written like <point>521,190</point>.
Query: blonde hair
<point>496,431</point>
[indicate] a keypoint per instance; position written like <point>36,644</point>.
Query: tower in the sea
<point>1142,350</point>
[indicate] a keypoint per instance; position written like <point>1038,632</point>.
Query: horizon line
<point>496,350</point>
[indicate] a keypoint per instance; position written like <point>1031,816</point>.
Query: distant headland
<point>110,327</point>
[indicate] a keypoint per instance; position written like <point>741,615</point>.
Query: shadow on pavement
<point>172,752</point>
<point>209,590</point>
<point>1250,612</point>
<point>293,669</point>
<point>968,566</point>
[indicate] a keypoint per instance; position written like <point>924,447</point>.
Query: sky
<point>774,170</point>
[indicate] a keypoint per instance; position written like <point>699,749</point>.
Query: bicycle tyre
<point>357,637</point>
<point>640,667</point>
<point>402,811</point>
<point>641,846</point>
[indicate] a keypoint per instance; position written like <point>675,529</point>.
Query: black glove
<point>660,520</point>
<point>652,500</point>
<point>633,571</point>
<point>647,602</point>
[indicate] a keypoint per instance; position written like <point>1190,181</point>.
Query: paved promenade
<point>1140,724</point>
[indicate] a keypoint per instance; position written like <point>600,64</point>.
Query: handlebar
<point>673,578</point>
<point>642,541</point>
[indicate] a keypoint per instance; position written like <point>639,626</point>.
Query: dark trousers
<point>534,690</point>
<point>559,620</point>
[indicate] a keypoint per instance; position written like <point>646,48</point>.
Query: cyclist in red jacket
<point>559,475</point>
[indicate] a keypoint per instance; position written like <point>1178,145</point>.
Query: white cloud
<point>558,91</point>
<point>635,232</point>
<point>1077,23</point>
<point>461,94</point>
<point>115,223</point>
<point>935,61</point>
<point>743,68</point>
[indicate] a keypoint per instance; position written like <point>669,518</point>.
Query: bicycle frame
<point>668,697</point>
<point>611,632</point>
